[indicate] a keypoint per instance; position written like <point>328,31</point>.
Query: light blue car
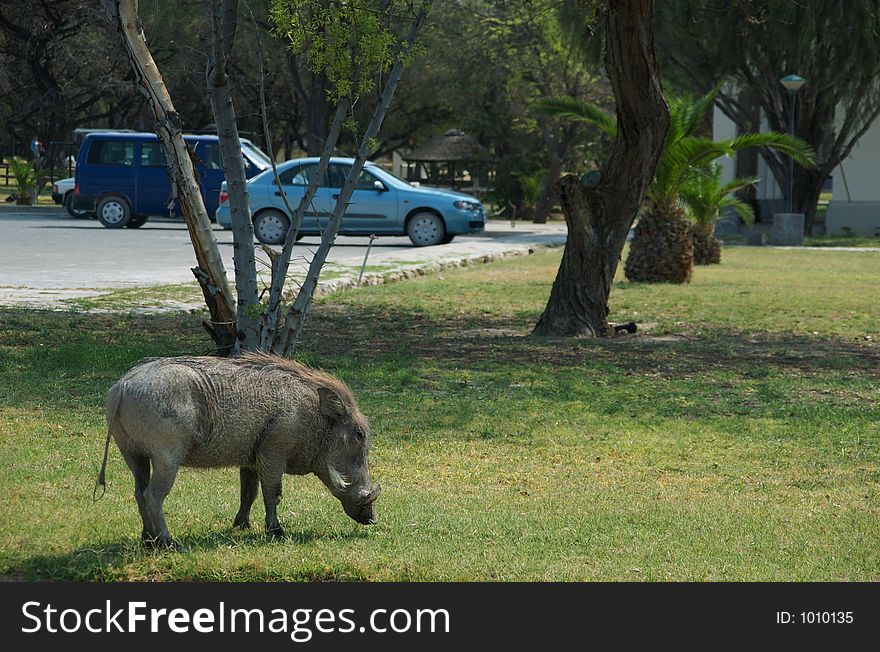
<point>381,204</point>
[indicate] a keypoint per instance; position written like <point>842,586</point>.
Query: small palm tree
<point>662,246</point>
<point>26,177</point>
<point>706,197</point>
<point>530,184</point>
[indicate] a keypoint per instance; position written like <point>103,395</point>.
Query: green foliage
<point>531,185</point>
<point>26,177</point>
<point>685,153</point>
<point>706,197</point>
<point>347,40</point>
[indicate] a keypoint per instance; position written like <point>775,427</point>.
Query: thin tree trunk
<point>210,272</point>
<point>548,196</point>
<point>289,334</point>
<point>281,264</point>
<point>599,217</point>
<point>224,25</point>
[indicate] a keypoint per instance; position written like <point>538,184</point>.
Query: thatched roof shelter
<point>454,145</point>
<point>453,160</point>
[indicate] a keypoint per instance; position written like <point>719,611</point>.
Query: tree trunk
<point>548,196</point>
<point>290,332</point>
<point>224,24</point>
<point>210,271</point>
<point>599,217</point>
<point>707,248</point>
<point>662,249</point>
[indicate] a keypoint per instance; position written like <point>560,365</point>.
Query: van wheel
<point>271,227</point>
<point>68,204</point>
<point>114,212</point>
<point>137,221</point>
<point>426,229</point>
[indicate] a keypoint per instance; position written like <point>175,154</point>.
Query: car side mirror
<point>378,185</point>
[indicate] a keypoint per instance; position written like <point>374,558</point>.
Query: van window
<point>111,152</point>
<point>211,156</point>
<point>151,155</point>
<point>297,175</point>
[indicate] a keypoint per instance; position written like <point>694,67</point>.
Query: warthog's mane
<point>314,377</point>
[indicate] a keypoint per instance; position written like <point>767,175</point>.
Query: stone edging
<point>393,276</point>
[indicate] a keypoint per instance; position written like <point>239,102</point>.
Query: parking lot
<point>45,250</point>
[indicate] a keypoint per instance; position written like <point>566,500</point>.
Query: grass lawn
<point>734,438</point>
<point>841,241</point>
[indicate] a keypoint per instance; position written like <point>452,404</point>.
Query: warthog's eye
<point>360,433</point>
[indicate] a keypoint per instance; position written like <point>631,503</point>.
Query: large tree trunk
<point>224,24</point>
<point>599,217</point>
<point>210,271</point>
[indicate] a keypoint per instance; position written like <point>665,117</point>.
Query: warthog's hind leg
<point>161,481</point>
<point>140,469</point>
<point>250,485</point>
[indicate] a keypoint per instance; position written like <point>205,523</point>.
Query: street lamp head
<point>792,83</point>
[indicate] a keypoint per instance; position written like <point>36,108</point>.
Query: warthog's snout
<point>361,509</point>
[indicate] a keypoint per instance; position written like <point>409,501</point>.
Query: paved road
<point>46,250</point>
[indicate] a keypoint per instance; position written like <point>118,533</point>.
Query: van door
<point>153,187</point>
<point>109,169</point>
<point>211,174</point>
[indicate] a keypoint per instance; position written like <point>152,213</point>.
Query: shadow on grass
<point>339,332</point>
<point>108,560</point>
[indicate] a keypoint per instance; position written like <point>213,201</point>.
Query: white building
<point>854,208</point>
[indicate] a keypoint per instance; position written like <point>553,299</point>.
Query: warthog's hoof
<point>158,543</point>
<point>275,533</point>
<point>241,523</point>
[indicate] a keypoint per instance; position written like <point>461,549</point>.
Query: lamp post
<point>792,84</point>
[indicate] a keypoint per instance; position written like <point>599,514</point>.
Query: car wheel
<point>426,229</point>
<point>68,204</point>
<point>447,239</point>
<point>137,221</point>
<point>114,212</point>
<point>270,227</point>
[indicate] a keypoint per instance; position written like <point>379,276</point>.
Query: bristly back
<point>314,377</point>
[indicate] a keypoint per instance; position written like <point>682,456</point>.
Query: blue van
<point>121,177</point>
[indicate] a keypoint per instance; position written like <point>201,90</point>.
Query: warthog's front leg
<point>250,485</point>
<point>270,483</point>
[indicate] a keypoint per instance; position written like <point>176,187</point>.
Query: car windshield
<point>382,173</point>
<point>257,155</point>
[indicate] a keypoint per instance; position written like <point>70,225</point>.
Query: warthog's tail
<point>113,400</point>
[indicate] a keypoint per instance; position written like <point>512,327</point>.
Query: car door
<point>153,188</point>
<point>295,180</point>
<point>373,204</point>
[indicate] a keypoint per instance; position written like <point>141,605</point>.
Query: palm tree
<point>706,197</point>
<point>662,247</point>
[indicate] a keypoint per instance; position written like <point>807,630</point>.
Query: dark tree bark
<point>599,217</point>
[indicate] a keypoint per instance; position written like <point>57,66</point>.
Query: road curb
<point>343,283</point>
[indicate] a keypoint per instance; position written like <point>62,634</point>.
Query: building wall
<point>855,203</point>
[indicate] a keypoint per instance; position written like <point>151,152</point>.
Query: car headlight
<point>466,205</point>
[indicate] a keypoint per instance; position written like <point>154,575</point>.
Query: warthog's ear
<point>330,404</point>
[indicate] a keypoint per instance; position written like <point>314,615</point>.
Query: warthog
<point>264,414</point>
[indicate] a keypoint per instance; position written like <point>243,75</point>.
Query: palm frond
<point>573,109</point>
<point>786,144</point>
